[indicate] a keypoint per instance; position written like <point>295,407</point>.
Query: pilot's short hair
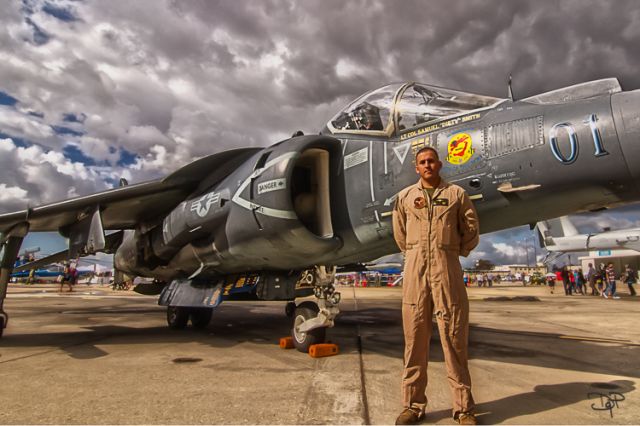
<point>428,148</point>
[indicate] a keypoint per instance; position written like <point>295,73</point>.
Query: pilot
<point>434,222</point>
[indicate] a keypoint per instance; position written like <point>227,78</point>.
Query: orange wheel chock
<point>286,343</point>
<point>323,349</point>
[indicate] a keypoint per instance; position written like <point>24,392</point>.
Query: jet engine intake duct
<point>281,215</point>
<point>310,191</point>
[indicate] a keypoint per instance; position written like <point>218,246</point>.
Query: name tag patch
<point>441,202</point>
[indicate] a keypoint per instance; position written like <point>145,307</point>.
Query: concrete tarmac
<point>96,356</point>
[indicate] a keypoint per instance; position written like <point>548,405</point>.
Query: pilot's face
<point>427,165</point>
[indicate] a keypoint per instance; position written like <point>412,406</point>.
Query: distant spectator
<point>600,280</point>
<point>73,274</point>
<point>551,283</point>
<point>580,282</point>
<point>630,278</point>
<point>66,278</point>
<point>610,274</point>
<point>566,281</point>
<point>591,279</point>
<point>480,279</point>
<point>572,281</point>
<point>558,275</point>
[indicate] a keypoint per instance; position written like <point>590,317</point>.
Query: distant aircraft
<point>48,274</point>
<point>570,240</point>
<point>386,268</point>
<point>274,223</point>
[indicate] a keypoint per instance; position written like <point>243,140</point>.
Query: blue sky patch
<point>112,181</point>
<point>6,99</point>
<point>74,154</point>
<point>61,130</point>
<point>126,158</point>
<point>63,14</point>
<point>20,142</point>
<point>73,118</point>
<point>39,36</point>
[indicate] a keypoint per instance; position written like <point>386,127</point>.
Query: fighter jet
<point>274,223</point>
<point>571,240</point>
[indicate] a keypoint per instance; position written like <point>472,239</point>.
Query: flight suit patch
<point>441,202</point>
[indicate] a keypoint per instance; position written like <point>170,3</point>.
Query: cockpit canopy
<point>400,107</point>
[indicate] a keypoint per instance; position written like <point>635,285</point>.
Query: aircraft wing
<point>124,207</point>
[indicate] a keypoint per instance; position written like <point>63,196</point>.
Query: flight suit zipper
<point>429,200</point>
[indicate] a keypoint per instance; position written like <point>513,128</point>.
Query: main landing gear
<point>178,317</point>
<point>311,319</point>
<point>10,242</point>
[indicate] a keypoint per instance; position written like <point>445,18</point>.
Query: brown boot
<point>409,417</point>
<point>466,418</point>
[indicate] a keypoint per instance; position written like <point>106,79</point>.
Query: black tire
<point>200,317</point>
<point>1,325</point>
<point>290,309</point>
<point>177,317</point>
<point>302,341</point>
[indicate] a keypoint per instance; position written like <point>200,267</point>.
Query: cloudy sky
<point>91,91</point>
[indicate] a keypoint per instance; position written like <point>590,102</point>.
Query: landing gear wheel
<point>200,317</point>
<point>303,340</point>
<point>177,317</point>
<point>4,318</point>
<point>290,309</point>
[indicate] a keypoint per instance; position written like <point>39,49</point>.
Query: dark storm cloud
<point>169,81</point>
<point>472,45</point>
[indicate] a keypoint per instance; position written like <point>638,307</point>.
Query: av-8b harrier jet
<point>274,223</point>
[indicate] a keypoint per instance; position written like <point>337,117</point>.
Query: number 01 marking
<point>592,121</point>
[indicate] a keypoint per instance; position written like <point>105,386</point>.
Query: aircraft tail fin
<point>559,227</point>
<point>568,229</point>
<point>634,245</point>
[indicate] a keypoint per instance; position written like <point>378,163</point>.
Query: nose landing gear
<point>311,319</point>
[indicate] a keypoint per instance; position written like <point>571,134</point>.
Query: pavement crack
<point>366,418</point>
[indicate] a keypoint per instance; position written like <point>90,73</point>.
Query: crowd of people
<point>600,281</point>
<point>487,279</point>
<point>597,281</point>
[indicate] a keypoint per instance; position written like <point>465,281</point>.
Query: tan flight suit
<point>432,238</point>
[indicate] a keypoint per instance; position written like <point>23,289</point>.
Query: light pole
<point>535,251</point>
<point>526,247</point>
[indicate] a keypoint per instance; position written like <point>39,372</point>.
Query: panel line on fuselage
<point>267,211</point>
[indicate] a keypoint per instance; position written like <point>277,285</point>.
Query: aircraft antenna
<point>510,90</point>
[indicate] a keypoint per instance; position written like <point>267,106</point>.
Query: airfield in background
<point>100,356</point>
